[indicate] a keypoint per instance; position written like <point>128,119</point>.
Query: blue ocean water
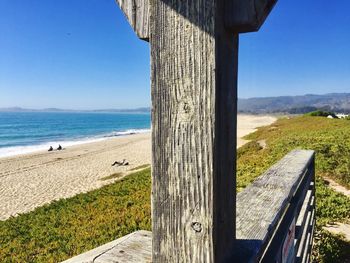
<point>23,132</point>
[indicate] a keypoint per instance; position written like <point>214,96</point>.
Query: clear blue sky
<point>83,54</point>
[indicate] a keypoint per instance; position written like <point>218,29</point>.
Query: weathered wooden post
<point>194,63</point>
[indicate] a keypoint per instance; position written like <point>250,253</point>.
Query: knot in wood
<point>197,227</point>
<point>187,108</point>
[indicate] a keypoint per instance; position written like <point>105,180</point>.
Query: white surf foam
<point>20,150</point>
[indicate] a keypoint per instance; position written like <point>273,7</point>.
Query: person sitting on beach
<point>50,149</point>
<point>124,162</point>
<point>117,163</point>
<point>59,147</point>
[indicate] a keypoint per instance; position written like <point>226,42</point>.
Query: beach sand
<point>32,180</point>
<point>247,124</point>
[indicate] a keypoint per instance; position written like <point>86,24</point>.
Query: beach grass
<point>71,226</point>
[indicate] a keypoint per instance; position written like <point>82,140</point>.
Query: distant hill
<point>337,102</point>
<point>138,110</point>
<point>18,109</point>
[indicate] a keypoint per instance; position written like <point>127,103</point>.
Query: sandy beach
<point>249,123</point>
<point>32,180</point>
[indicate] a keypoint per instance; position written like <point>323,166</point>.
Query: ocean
<point>26,132</point>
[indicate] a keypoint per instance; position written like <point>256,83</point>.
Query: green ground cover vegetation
<point>68,227</point>
<point>71,226</point>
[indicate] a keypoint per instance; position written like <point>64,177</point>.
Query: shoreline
<point>16,151</point>
<point>35,179</point>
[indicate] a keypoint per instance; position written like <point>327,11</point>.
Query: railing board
<point>307,206</point>
<point>132,248</point>
<point>306,252</point>
<point>306,248</point>
<point>271,193</point>
<point>136,249</point>
<point>261,205</point>
<point>292,210</point>
<point>301,221</point>
<point>313,224</point>
<point>304,208</point>
<point>301,246</point>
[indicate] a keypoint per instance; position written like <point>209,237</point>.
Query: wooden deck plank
<point>133,248</point>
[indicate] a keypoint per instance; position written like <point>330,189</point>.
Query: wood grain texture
<point>137,13</point>
<point>262,204</point>
<point>133,248</point>
<point>243,16</point>
<point>194,86</point>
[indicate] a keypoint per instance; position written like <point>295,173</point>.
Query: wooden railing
<point>276,213</point>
